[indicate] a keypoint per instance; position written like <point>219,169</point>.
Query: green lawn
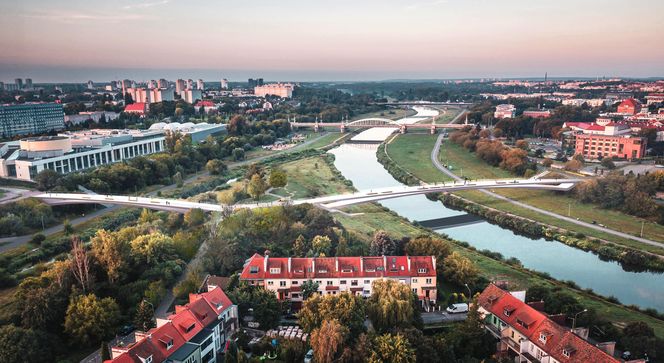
<point>311,177</point>
<point>327,139</point>
<point>464,163</point>
<point>413,153</point>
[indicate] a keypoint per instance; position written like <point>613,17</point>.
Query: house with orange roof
<point>530,336</point>
<point>629,106</point>
<point>285,275</point>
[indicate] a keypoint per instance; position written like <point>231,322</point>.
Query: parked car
<point>309,357</point>
<point>457,308</point>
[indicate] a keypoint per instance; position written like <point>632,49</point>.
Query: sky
<point>329,40</point>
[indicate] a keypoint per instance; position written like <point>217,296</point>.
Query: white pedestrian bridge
<point>330,202</point>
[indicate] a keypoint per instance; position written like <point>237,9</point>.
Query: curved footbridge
<point>328,202</point>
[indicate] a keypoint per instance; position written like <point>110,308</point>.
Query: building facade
<point>194,333</point>
<point>593,146</point>
<point>30,118</point>
<point>529,336</point>
<point>505,111</point>
<point>629,106</point>
<point>285,275</point>
<point>283,90</point>
<point>191,95</point>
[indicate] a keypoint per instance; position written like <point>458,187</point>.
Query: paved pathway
<point>439,166</point>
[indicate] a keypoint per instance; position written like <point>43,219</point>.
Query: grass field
<point>464,163</point>
<point>311,177</point>
<point>413,152</point>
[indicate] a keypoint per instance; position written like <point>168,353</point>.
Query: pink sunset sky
<point>328,40</point>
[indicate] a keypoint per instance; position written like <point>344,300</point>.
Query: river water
<point>359,164</point>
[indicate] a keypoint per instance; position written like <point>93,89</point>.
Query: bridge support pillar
<point>433,129</point>
<point>316,128</point>
<point>403,129</point>
<point>342,128</point>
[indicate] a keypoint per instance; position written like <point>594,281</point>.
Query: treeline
<point>630,259</point>
<point>629,193</point>
<point>521,126</point>
<point>393,168</point>
<point>494,152</point>
<point>83,296</point>
<point>331,105</point>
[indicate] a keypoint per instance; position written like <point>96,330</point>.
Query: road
<point>15,194</point>
<point>441,317</point>
<point>439,166</point>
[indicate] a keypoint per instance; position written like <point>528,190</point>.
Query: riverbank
<point>364,220</point>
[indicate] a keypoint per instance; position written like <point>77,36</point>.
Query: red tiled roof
<point>533,323</point>
<point>140,351</point>
<point>205,103</point>
<point>140,106</point>
<point>186,324</point>
<point>630,102</point>
<point>215,298</point>
<point>201,310</point>
<point>595,127</point>
<point>256,267</point>
<point>165,335</point>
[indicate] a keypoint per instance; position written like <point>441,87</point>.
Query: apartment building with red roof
<point>629,106</point>
<point>140,108</point>
<point>285,275</point>
<point>530,335</point>
<point>195,332</point>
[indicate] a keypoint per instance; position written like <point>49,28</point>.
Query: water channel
<point>359,164</point>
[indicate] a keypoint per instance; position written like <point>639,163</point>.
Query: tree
<point>67,228</point>
<point>194,217</point>
<point>144,318</point>
<point>24,345</point>
<point>257,187</point>
<point>381,244</point>
<point>347,309</point>
<point>390,305</point>
<point>573,165</point>
<point>470,338</point>
<point>112,253</point>
<point>80,264</point>
<point>105,351</point>
<point>326,341</point>
<point>278,178</point>
<point>266,307</point>
<point>608,163</point>
<point>459,270</point>
<point>301,246</point>
<point>429,246</point>
<point>309,288</point>
<point>321,245</point>
<point>238,153</point>
<point>47,179</point>
<point>393,349</point>
<point>152,248</point>
<point>90,319</point>
<point>547,162</point>
<point>522,144</point>
<point>216,167</point>
<point>147,216</point>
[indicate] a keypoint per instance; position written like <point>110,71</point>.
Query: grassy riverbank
<point>409,152</point>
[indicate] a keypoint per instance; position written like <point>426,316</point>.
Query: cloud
<point>76,17</point>
<point>145,5</point>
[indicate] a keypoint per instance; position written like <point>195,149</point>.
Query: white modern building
<point>284,90</point>
<point>30,118</point>
<point>198,132</point>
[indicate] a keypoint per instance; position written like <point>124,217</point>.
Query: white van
<point>457,308</point>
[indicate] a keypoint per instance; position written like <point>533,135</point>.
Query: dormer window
<point>148,359</point>
<point>544,336</point>
<point>190,327</point>
<point>253,269</point>
<point>167,341</point>
<point>322,271</point>
<point>508,310</point>
<point>275,270</point>
<point>421,270</point>
<point>347,270</point>
<point>568,351</point>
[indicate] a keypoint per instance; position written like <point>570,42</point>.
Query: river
<point>359,164</point>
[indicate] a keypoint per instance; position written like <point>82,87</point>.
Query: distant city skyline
<point>77,40</point>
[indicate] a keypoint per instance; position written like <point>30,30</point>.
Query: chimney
<point>267,256</point>
<point>289,264</point>
<point>313,265</point>
<point>361,264</point>
<point>385,263</point>
<point>433,262</point>
<point>608,347</point>
<point>336,264</point>
<point>408,259</point>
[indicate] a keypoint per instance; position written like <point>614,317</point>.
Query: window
<point>270,283</point>
<point>366,282</point>
<point>353,282</point>
<point>295,282</point>
<point>421,270</point>
<point>329,283</point>
<point>428,281</point>
<point>282,283</point>
<point>566,353</point>
<point>543,337</point>
<point>275,270</point>
<point>415,281</point>
<point>415,291</point>
<point>253,269</point>
<point>342,282</point>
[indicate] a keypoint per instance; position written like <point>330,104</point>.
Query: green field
<point>413,153</point>
<point>311,177</point>
<point>468,164</point>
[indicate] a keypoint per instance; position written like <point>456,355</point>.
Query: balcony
<point>528,358</point>
<point>515,346</point>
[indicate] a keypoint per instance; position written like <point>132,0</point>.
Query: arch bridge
<point>374,122</point>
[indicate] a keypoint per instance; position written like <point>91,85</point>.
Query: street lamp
<point>470,293</point>
<point>575,315</point>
